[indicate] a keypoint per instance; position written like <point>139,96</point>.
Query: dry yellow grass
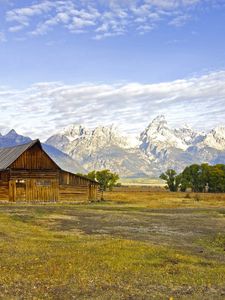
<point>118,249</point>
<point>66,259</point>
<point>166,199</point>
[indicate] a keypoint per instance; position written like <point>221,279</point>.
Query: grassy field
<point>135,196</point>
<point>135,245</point>
<point>143,181</point>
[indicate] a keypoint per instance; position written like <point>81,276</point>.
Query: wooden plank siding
<point>34,159</point>
<point>4,186</point>
<point>73,193</point>
<point>38,191</point>
<point>38,174</point>
<point>74,187</point>
<point>34,176</point>
<point>4,192</point>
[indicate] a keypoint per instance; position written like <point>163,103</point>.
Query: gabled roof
<point>9,155</point>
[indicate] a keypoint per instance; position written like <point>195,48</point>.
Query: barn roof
<point>9,155</point>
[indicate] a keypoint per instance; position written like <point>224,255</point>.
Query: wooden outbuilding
<point>28,173</point>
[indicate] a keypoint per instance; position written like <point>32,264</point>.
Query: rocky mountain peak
<point>219,131</point>
<point>158,124</point>
<point>74,131</point>
<point>160,147</point>
<point>215,139</point>
<point>159,137</point>
<point>105,136</point>
<point>11,133</point>
<point>188,134</point>
<point>12,138</point>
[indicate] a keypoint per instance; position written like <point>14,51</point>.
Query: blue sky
<point>87,53</point>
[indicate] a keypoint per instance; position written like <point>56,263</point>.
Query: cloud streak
<point>100,18</point>
<point>44,108</point>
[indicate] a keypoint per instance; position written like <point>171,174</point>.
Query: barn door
<point>42,190</point>
<point>20,190</point>
<point>17,190</point>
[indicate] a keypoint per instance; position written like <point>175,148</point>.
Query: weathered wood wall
<point>4,186</point>
<point>34,159</point>
<point>41,185</point>
<point>75,188</point>
<point>30,190</point>
<point>34,185</point>
<point>73,193</point>
<point>35,177</point>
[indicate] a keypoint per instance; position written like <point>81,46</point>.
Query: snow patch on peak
<point>158,123</point>
<point>74,131</point>
<point>219,131</point>
<point>104,136</point>
<point>188,135</point>
<point>215,139</point>
<point>158,136</point>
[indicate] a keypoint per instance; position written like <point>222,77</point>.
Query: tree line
<point>198,178</point>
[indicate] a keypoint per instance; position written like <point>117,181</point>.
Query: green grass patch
<point>215,243</point>
<point>44,254</point>
<point>57,251</point>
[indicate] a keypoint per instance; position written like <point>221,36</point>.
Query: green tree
<point>91,175</point>
<point>172,179</point>
<point>194,177</point>
<point>217,179</point>
<point>197,177</point>
<point>105,178</point>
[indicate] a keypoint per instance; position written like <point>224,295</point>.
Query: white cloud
<point>43,108</point>
<point>179,20</point>
<point>102,18</point>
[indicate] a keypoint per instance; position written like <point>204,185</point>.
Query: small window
<point>20,181</point>
<point>42,182</point>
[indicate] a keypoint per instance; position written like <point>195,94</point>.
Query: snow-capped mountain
<point>188,135</point>
<point>89,140</point>
<point>215,139</point>
<point>100,148</point>
<point>158,138</point>
<point>159,147</point>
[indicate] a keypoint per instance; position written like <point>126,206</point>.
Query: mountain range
<point>158,148</point>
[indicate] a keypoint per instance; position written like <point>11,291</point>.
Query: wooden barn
<point>28,173</point>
